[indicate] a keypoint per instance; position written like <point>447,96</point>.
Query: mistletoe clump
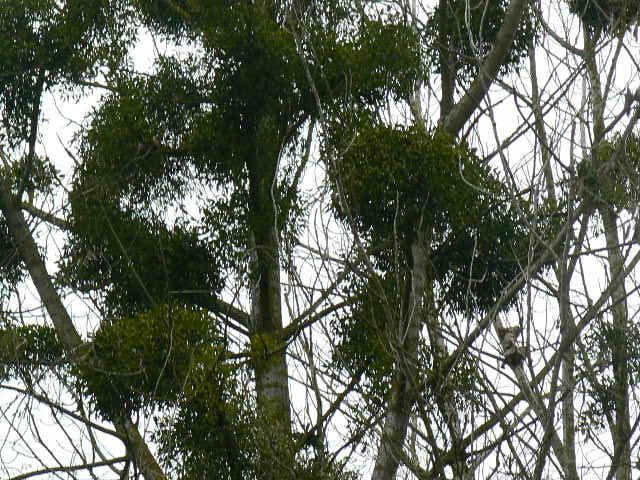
<point>392,182</point>
<point>390,178</point>
<point>612,179</point>
<point>609,16</point>
<point>151,358</point>
<point>469,30</point>
<point>27,349</point>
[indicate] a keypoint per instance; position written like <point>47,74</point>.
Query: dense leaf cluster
<point>393,181</point>
<point>612,179</point>
<point>11,264</point>
<point>597,374</point>
<point>43,44</point>
<point>26,349</point>
<point>608,16</point>
<point>366,332</point>
<point>217,122</point>
<point>137,262</point>
<point>152,358</point>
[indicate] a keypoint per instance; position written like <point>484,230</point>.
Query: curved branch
<point>462,110</point>
<point>73,468</point>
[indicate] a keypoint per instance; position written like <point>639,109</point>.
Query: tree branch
<point>462,110</point>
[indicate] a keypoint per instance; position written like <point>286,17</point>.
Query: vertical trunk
<point>568,369</point>
<point>447,406</point>
<point>566,320</point>
<point>447,53</point>
<point>534,400</point>
<point>621,436</point>
<point>447,60</point>
<point>269,350</point>
<point>271,369</point>
<point>403,384</point>
<point>541,134</point>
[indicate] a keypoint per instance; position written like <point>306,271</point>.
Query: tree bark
<point>267,337</point>
<point>447,60</point>
<point>622,433</point>
<point>568,368</point>
<point>403,392</point>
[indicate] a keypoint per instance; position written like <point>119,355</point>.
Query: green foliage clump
<point>134,148</point>
<point>608,16</point>
<point>173,359</point>
<point>48,42</point>
<point>616,185</point>
<point>599,379</point>
<point>322,469</point>
<point>367,339</point>
<point>363,334</point>
<point>220,119</point>
<point>393,181</point>
<point>384,60</point>
<point>25,349</point>
<point>36,174</point>
<point>151,358</point>
<point>12,268</point>
<point>470,30</point>
<point>209,434</point>
<point>136,261</point>
<point>391,178</point>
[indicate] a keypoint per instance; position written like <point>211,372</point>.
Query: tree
<point>200,186</point>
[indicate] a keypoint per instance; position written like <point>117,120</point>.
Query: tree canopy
<point>318,240</point>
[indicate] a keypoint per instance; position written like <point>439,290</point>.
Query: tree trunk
<point>447,60</point>
<point>621,436</point>
<point>568,368</point>
<point>267,343</point>
<point>402,397</point>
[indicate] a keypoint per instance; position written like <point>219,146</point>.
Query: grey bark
<point>622,433</point>
<point>403,384</point>
<point>535,402</point>
<point>267,336</point>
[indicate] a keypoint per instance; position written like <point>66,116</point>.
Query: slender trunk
<point>568,371</point>
<point>461,470</point>
<point>621,436</point>
<point>541,134</point>
<point>447,56</point>
<point>267,344</point>
<point>461,111</point>
<point>535,401</point>
<point>402,397</point>
<point>562,274</point>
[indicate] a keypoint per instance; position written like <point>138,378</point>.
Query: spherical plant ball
<point>391,178</point>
